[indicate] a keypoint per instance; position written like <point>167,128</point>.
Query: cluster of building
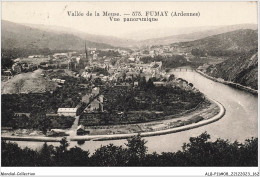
<point>162,50</point>
<point>59,81</point>
<point>19,67</point>
<point>125,70</point>
<point>93,100</point>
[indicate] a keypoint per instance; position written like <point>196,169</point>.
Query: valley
<point>115,92</point>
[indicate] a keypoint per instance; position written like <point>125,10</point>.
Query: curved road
<point>239,122</point>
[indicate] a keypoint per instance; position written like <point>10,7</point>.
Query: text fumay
<point>132,14</point>
<point>107,13</point>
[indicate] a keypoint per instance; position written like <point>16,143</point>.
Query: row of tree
<point>198,152</point>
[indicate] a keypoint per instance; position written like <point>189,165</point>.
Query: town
<point>138,84</point>
<point>95,91</point>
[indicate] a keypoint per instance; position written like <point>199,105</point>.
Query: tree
<point>6,63</point>
<point>198,152</point>
<point>7,117</point>
<point>45,155</point>
<point>149,84</point>
<point>136,149</point>
<point>61,153</point>
<point>98,81</point>
<point>124,76</point>
<point>44,123</point>
<point>249,152</point>
<point>142,82</point>
<point>110,155</point>
<point>63,144</point>
<point>13,155</point>
<point>172,77</point>
<point>77,157</point>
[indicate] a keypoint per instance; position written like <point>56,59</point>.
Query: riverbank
<point>232,84</point>
<point>207,120</point>
<point>28,138</point>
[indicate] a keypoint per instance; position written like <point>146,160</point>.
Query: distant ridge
<point>20,36</point>
<point>111,40</point>
<point>238,40</point>
<point>196,35</point>
<point>55,37</point>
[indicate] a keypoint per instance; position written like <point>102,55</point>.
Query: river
<point>239,123</point>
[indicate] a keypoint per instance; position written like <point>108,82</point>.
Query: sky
<point>56,14</point>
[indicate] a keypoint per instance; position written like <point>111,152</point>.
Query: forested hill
<point>235,41</point>
<point>239,48</point>
<point>20,36</point>
<point>195,33</point>
<point>242,69</point>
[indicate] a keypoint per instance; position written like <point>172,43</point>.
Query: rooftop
<point>72,110</point>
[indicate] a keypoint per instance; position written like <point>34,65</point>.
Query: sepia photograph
<point>129,84</point>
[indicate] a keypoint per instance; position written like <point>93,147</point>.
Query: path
<point>73,130</point>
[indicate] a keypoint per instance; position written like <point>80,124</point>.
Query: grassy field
<point>31,82</point>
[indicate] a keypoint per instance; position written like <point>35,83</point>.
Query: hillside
<point>191,34</point>
<point>20,36</point>
<point>242,69</point>
<point>139,38</point>
<point>239,50</point>
<point>237,41</point>
<point>31,82</point>
<point>111,40</point>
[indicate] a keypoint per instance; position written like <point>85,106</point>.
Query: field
<point>31,82</point>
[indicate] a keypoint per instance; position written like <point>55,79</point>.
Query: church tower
<point>83,62</point>
<point>86,52</point>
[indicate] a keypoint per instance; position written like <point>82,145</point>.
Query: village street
<point>73,130</point>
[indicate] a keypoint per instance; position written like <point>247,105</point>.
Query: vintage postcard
<point>129,84</point>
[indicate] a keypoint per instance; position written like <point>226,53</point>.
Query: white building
<point>60,55</point>
<point>67,112</point>
<point>159,84</point>
<point>78,59</point>
<point>131,59</point>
